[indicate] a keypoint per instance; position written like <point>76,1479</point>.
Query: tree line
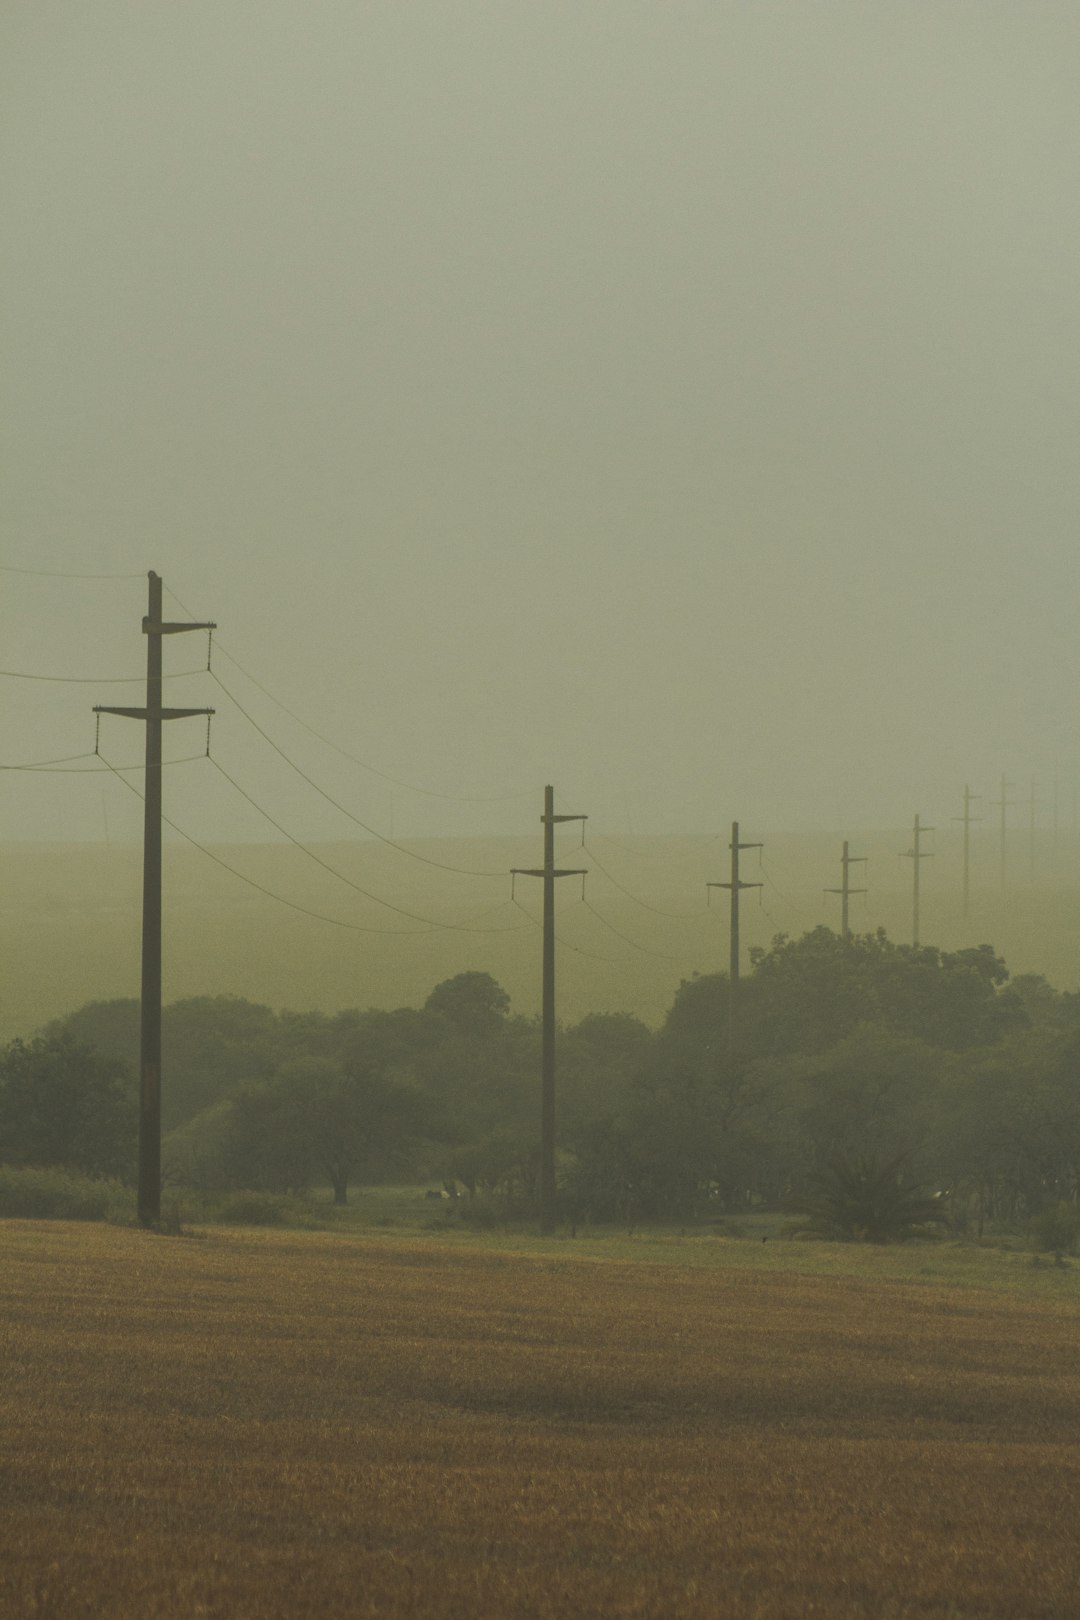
<point>920,1066</point>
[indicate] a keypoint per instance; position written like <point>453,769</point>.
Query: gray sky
<point>674,401</point>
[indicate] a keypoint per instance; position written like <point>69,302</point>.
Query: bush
<point>863,1200</point>
<point>62,1195</point>
<point>263,1209</point>
<point>1056,1229</point>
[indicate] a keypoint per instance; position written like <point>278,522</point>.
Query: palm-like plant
<point>867,1200</point>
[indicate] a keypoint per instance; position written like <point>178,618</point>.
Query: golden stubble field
<point>300,1425</point>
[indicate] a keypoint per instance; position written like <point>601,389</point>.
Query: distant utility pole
<point>967,818</point>
<point>149,1197</point>
<point>916,854</point>
<point>1004,804</point>
<point>1034,804</point>
<point>845,890</point>
<point>549,872</point>
<point>736,886</point>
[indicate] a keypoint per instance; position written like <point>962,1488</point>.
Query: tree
<point>806,995</point>
<point>866,1199</point>
<point>63,1103</point>
<point>316,1117</point>
<point>473,1003</point>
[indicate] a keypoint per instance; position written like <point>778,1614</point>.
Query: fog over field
<point>675,403</point>
<point>69,926</point>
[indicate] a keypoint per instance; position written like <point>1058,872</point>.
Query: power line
<point>310,853</point>
<point>578,950</point>
<point>443,866</point>
<point>92,680</point>
<point>680,916</point>
<point>48,764</point>
<point>664,957</point>
<point>354,759</point>
<point>336,922</point>
<point>771,881</point>
<point>60,573</point>
<point>59,769</point>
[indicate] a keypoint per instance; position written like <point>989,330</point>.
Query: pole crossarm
<point>152,627</point>
<point>150,714</point>
<point>554,871</point>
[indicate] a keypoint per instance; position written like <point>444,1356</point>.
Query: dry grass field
<point>295,1425</point>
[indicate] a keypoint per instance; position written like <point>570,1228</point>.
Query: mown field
<point>295,1424</point>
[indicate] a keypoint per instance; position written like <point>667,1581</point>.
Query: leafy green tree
<point>867,1199</point>
<point>806,995</point>
<point>63,1103</point>
<point>210,1045</point>
<point>874,1093</point>
<point>472,1003</point>
<point>316,1118</point>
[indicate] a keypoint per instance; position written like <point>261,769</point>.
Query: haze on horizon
<point>673,402</point>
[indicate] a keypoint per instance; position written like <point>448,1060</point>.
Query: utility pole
<point>845,889</point>
<point>967,818</point>
<point>549,872</point>
<point>916,854</point>
<point>1033,805</point>
<point>735,886</point>
<point>149,1197</point>
<point>1003,804</point>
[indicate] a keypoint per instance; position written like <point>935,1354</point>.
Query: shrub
<point>263,1209</point>
<point>1056,1229</point>
<point>62,1195</point>
<point>867,1201</point>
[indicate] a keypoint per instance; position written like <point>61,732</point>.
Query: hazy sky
<point>673,401</point>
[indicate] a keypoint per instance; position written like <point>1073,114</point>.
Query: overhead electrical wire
<point>680,916</point>
<point>60,769</point>
<point>626,939</point>
<point>771,881</point>
<point>385,776</point>
<point>466,928</point>
<point>61,573</point>
<point>373,832</point>
<point>93,680</point>
<point>570,946</point>
<point>336,922</point>
<point>49,764</point>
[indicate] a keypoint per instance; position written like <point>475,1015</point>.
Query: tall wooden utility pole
<point>916,854</point>
<point>735,885</point>
<point>149,1196</point>
<point>845,890</point>
<point>549,872</point>
<point>967,818</point>
<point>1033,805</point>
<point>1003,804</point>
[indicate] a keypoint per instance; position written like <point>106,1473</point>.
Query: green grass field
<point>279,1424</point>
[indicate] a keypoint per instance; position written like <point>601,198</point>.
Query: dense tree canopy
<point>63,1103</point>
<point>842,1053</point>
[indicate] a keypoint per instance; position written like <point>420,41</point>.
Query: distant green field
<point>767,1243</point>
<point>69,928</point>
